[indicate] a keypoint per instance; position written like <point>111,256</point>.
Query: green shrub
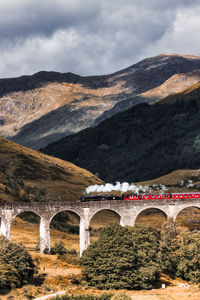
<point>180,252</point>
<point>104,296</point>
<point>74,280</point>
<point>59,248</point>
<point>168,247</point>
<point>16,265</point>
<point>188,257</point>
<point>123,258</point>
<point>120,296</point>
<point>70,257</point>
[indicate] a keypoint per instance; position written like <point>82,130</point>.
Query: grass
<point>27,175</point>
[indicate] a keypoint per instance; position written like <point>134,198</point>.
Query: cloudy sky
<point>91,37</point>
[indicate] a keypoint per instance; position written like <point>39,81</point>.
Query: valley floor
<point>58,274</point>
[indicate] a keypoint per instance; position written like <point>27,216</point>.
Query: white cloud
<point>183,35</point>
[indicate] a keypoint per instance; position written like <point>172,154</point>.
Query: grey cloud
<point>33,17</point>
<point>91,36</point>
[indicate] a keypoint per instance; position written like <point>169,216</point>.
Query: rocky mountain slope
<point>36,110</point>
<point>142,143</point>
<point>176,83</point>
<point>30,176</point>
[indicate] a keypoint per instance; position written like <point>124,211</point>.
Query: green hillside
<point>142,143</point>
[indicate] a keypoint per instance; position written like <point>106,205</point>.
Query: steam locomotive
<point>131,197</point>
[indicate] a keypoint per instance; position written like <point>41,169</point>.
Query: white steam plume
<point>122,187</point>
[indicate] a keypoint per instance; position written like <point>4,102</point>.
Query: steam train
<point>132,197</point>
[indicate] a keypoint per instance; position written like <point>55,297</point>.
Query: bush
<point>120,297</point>
<point>59,248</point>
<point>104,296</point>
<point>70,257</point>
<point>188,256</point>
<point>180,252</point>
<point>122,258</point>
<point>16,265</point>
<point>74,280</point>
<point>168,247</point>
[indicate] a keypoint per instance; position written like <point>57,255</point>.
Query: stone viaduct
<point>126,210</point>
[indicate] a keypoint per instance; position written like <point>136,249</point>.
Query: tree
<point>146,240</point>
<point>168,247</point>
<point>16,265</point>
<point>120,260</point>
<point>188,256</point>
<point>180,252</point>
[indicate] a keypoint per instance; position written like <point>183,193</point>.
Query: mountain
<point>173,85</point>
<point>44,107</point>
<point>142,143</point>
<point>30,176</point>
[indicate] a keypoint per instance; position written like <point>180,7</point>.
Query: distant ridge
<point>141,143</point>
<point>46,106</point>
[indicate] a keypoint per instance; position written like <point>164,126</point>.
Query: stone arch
<point>189,216</point>
<point>185,207</point>
<point>93,228</point>
<point>65,210</point>
<point>143,213</point>
<point>25,211</point>
<point>74,227</point>
<point>92,215</point>
<point>30,234</point>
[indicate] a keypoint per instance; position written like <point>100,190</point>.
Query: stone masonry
<point>126,210</point>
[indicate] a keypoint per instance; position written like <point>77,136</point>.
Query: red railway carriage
<point>131,197</point>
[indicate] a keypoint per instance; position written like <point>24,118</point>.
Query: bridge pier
<point>6,220</point>
<point>5,228</point>
<point>44,235</point>
<point>84,231</point>
<point>172,212</point>
<point>84,236</point>
<point>127,220</point>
